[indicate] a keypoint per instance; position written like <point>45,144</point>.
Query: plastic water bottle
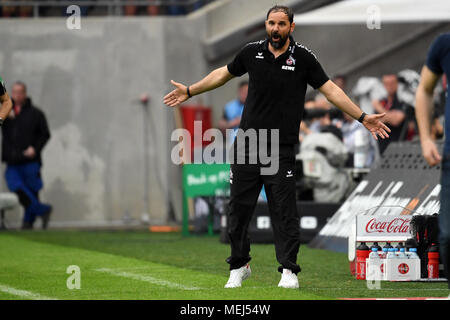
<point>374,254</point>
<point>413,253</point>
<point>391,254</point>
<point>401,254</point>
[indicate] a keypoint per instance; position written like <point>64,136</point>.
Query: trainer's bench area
<point>8,201</point>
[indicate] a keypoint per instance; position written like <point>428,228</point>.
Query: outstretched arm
<point>215,79</point>
<point>424,109</point>
<point>338,97</point>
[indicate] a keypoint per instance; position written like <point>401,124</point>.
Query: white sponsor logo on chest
<point>290,64</point>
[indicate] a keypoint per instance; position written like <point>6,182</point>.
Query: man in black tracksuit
<point>25,133</point>
<point>279,71</point>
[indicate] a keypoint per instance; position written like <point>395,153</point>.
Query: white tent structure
<point>387,11</point>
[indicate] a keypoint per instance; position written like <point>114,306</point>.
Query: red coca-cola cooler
<point>382,231</point>
<point>196,119</point>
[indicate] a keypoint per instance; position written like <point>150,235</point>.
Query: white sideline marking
<point>385,289</point>
<point>150,279</point>
<point>24,294</point>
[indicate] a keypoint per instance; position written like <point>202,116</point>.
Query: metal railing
<point>113,7</point>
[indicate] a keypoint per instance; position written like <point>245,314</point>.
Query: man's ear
<point>292,26</point>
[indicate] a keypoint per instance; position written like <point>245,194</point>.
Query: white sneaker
<point>288,280</point>
<point>237,276</point>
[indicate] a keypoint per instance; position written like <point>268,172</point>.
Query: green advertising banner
<point>203,180</point>
<point>206,179</point>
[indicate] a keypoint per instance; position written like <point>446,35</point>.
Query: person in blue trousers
<point>437,64</point>
<point>24,134</point>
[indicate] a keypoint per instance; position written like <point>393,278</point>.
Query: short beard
<point>280,43</point>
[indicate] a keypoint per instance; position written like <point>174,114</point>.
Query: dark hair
<point>288,11</point>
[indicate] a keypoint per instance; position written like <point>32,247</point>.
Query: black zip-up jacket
<point>29,128</point>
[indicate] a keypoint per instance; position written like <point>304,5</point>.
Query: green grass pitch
<point>155,266</point>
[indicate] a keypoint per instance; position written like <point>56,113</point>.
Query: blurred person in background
<point>132,10</point>
<point>177,9</point>
<point>7,11</point>
<point>129,10</point>
<point>314,117</point>
<point>25,11</point>
<point>152,10</point>
<point>437,63</point>
<point>25,133</point>
<point>182,7</point>
<point>83,10</point>
<point>321,101</point>
<point>231,119</point>
<point>232,112</point>
<point>279,71</point>
<point>327,114</point>
<point>395,111</point>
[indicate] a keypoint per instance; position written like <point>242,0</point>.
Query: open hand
<point>176,96</point>
<point>376,127</point>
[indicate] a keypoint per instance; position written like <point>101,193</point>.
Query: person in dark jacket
<point>25,133</point>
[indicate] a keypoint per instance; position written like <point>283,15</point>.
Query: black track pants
<point>246,182</point>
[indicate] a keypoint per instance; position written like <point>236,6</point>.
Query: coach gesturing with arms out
<point>279,71</point>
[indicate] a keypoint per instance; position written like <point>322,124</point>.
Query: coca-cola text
<point>397,225</point>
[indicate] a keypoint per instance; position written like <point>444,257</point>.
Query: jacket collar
<point>26,104</point>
